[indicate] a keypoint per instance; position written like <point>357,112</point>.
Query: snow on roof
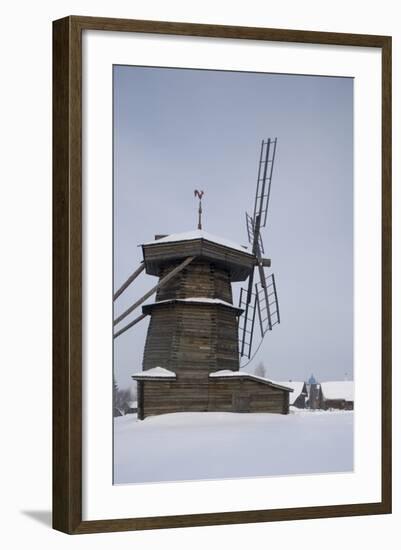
<point>199,234</point>
<point>156,372</point>
<point>196,299</point>
<point>296,387</point>
<point>235,373</point>
<point>343,389</point>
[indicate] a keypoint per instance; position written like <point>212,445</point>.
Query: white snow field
<point>206,445</point>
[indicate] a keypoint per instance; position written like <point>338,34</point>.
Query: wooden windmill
<point>194,340</point>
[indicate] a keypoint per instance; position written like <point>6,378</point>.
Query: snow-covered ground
<point>191,446</point>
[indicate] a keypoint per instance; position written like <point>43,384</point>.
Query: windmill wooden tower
<point>196,335</point>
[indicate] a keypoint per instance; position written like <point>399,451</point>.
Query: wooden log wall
<point>199,279</point>
<point>161,397</point>
<point>216,395</point>
<point>192,339</point>
<point>341,404</point>
<point>246,395</point>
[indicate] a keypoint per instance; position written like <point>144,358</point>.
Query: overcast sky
<point>176,130</point>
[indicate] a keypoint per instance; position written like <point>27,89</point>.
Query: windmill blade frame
<point>250,227</point>
<point>260,296</point>
<point>246,340</point>
<point>264,301</point>
<point>263,184</point>
<point>264,289</point>
<point>268,305</point>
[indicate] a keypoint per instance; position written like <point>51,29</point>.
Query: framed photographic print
<point>222,274</point>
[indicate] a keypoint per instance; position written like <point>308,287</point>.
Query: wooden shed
<point>160,391</point>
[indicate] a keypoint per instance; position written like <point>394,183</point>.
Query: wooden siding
<point>198,279</point>
<point>213,395</point>
<point>341,404</point>
<point>161,397</point>
<point>192,340</point>
<point>245,395</point>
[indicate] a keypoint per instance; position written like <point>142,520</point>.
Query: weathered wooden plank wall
<point>192,339</point>
<point>199,279</point>
<point>227,395</point>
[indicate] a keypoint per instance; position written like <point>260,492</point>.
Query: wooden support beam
<point>266,262</point>
<point>162,282</point>
<point>130,279</point>
<point>131,324</point>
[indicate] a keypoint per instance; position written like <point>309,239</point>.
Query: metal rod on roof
<point>130,279</point>
<point>162,282</point>
<point>199,194</point>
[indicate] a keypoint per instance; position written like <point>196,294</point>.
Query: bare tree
<point>134,392</point>
<point>260,370</point>
<point>123,400</point>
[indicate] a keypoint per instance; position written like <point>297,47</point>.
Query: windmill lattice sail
<point>246,324</point>
<point>250,227</point>
<point>268,308</point>
<point>260,298</point>
<point>263,184</point>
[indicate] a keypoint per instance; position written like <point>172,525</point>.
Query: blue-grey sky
<point>176,130</point>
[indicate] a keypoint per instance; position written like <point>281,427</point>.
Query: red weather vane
<point>199,194</point>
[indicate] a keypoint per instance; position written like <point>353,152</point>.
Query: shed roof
<point>226,373</point>
<point>341,389</point>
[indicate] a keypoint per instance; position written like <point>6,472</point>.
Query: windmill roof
<point>200,234</point>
